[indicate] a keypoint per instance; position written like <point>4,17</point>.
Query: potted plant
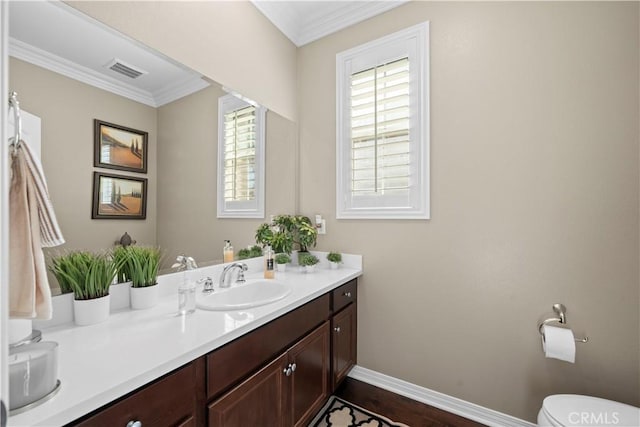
<point>141,265</point>
<point>281,262</point>
<point>334,258</point>
<point>309,262</point>
<point>287,232</point>
<point>277,235</point>
<point>89,276</point>
<point>252,252</point>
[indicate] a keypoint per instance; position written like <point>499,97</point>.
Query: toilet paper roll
<point>559,343</point>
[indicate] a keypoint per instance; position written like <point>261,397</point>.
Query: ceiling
<point>57,37</point>
<point>306,21</point>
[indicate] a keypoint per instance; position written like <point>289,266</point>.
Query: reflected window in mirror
<point>241,147</point>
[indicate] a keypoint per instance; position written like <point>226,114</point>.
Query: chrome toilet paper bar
<point>561,311</point>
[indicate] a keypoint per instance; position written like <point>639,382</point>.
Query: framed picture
<point>119,147</point>
<point>119,197</point>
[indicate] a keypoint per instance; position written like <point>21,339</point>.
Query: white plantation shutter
<point>383,128</point>
<point>240,154</point>
<point>240,159</point>
<point>380,129</point>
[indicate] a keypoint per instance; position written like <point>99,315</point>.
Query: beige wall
<point>534,194</point>
<point>187,192</point>
<point>229,41</point>
<point>67,109</point>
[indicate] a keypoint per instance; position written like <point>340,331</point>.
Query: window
<point>383,128</point>
<point>240,158</point>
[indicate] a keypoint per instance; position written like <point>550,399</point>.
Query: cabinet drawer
<point>168,402</point>
<point>344,295</point>
<point>236,360</point>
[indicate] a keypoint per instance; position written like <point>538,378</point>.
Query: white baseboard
<point>438,400</point>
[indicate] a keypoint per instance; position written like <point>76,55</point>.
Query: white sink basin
<point>254,293</point>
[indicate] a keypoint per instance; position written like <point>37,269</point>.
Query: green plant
<point>287,231</point>
<point>308,260</point>
<point>120,255</point>
<point>252,252</point>
<point>87,274</point>
<point>255,251</point>
<point>306,233</point>
<point>141,265</point>
<point>334,257</point>
<point>282,259</point>
<point>244,253</point>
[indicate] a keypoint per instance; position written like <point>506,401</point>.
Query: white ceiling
<point>306,21</point>
<point>55,36</point>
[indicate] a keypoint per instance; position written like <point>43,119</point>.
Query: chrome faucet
<point>184,262</point>
<point>240,265</point>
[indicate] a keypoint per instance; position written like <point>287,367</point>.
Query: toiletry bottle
<point>268,263</point>
<point>187,294</point>
<point>227,251</point>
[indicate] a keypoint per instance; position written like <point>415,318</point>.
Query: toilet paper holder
<point>561,311</point>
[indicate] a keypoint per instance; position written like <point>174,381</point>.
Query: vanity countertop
<point>100,363</point>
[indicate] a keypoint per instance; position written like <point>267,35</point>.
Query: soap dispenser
<point>227,251</point>
<point>268,263</point>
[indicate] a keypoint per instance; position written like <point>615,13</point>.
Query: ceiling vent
<point>125,69</point>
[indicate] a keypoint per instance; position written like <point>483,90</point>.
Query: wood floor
<point>399,408</point>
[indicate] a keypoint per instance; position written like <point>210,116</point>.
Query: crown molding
<point>57,64</point>
<point>342,18</point>
<point>302,30</point>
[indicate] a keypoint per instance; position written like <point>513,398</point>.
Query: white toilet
<point>562,410</point>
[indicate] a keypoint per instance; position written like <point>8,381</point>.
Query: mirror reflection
<point>70,70</point>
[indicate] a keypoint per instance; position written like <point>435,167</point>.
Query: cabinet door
<point>258,401</point>
<point>309,381</point>
<point>343,341</point>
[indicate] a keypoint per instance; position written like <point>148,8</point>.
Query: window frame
<point>412,42</point>
<point>242,209</point>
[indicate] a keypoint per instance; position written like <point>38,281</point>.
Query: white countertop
<point>100,363</point>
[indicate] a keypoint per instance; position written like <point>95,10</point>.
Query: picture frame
<point>119,147</point>
<point>118,197</point>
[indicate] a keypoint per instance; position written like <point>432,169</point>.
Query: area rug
<point>340,413</point>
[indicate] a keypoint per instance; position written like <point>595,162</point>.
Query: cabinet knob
<point>134,424</point>
<point>287,371</point>
<point>347,294</point>
<point>337,329</point>
<point>293,367</point>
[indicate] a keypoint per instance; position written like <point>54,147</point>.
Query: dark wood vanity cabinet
<point>173,400</point>
<point>287,392</point>
<point>277,375</point>
<point>343,342</point>
<point>344,329</point>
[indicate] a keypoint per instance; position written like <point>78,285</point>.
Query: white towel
<point>50,233</point>
<point>30,213</point>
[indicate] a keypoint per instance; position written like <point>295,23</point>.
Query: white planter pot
<point>142,298</point>
<point>334,265</point>
<point>91,311</point>
<point>281,268</point>
<point>309,268</point>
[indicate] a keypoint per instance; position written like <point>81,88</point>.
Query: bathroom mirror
<point>48,41</point>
